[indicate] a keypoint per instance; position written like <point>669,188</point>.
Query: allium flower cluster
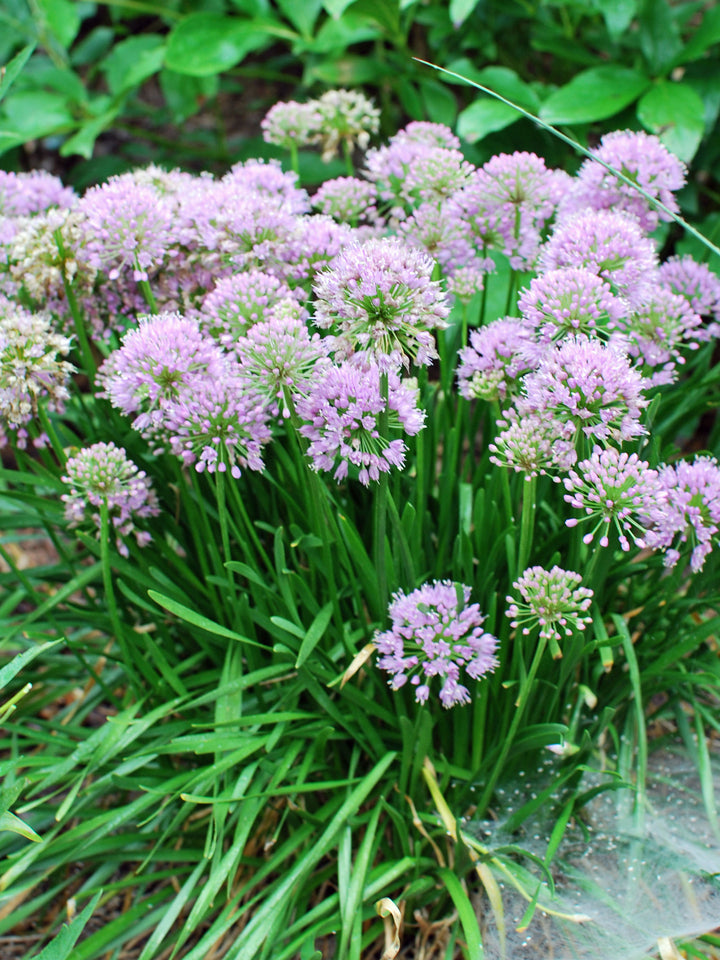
<point>589,387</point>
<point>268,179</point>
<point>531,444</point>
<point>656,331</point>
<point>640,157</point>
<point>279,357</point>
<point>491,367</point>
<point>553,601</point>
<point>165,357</point>
<point>31,369</point>
<point>686,511</point>
<point>313,245</point>
<point>696,283</point>
<point>347,200</point>
<point>126,226</point>
<point>612,489</point>
<point>431,134</point>
<point>220,425</point>
<point>609,244</point>
<point>507,204</point>
<point>25,194</point>
<point>290,125</point>
<point>437,230</point>
<point>238,302</point>
<point>102,474</point>
<point>435,174</point>
<point>570,301</point>
<point>347,117</point>
<point>344,412</point>
<point>436,632</point>
<point>338,117</point>
<point>380,298</point>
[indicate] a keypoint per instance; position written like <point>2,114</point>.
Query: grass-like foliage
<point>352,509</point>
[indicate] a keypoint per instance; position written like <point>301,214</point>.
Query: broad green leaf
<point>132,61</point>
<point>92,47</point>
<point>184,94</point>
<point>594,94</point>
<point>34,114</point>
<point>302,16</point>
<point>62,946</point>
<point>336,8</point>
<point>10,71</point>
<point>659,35</point>
<point>350,70</point>
<point>198,620</point>
<point>335,36</point>
<point>460,10</point>
<point>207,43</point>
<point>676,113</point>
<point>82,143</point>
<point>618,15</point>
<point>485,116</point>
<point>252,8</point>
<point>439,102</point>
<point>62,19</point>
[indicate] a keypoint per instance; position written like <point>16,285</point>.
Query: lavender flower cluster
<point>234,309</point>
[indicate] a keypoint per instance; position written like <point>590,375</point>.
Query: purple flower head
<point>491,367</point>
<point>343,411</point>
<point>347,200</point>
<point>240,301</point>
<point>240,226</point>
<point>686,510</point>
<point>588,386</point>
<point>436,633</point>
<point>127,226</point>
<point>612,489</point>
<point>289,124</point>
<point>570,300</point>
<point>165,357</point>
<point>697,283</point>
<point>269,180</point>
<point>641,158</point>
<point>609,244</point>
<point>24,194</point>
<point>31,369</point>
<point>657,330</point>
<point>220,425</point>
<point>314,244</point>
<point>532,445</point>
<point>431,134</point>
<point>438,231</point>
<point>388,167</point>
<point>278,357</point>
<point>101,475</point>
<point>507,204</point>
<point>381,298</point>
<point>553,601</point>
<point>464,282</point>
<point>435,174</point>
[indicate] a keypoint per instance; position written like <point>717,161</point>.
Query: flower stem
<point>109,591</point>
<point>509,737</point>
<point>527,523</point>
<point>78,319</point>
<point>380,505</point>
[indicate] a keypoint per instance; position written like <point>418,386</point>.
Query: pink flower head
<point>436,632</point>
<point>380,297</point>
<point>343,410</point>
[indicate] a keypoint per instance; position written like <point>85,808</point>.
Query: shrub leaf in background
<point>12,70</point>
<point>675,112</point>
<point>207,43</point>
<point>132,61</point>
<point>594,94</point>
